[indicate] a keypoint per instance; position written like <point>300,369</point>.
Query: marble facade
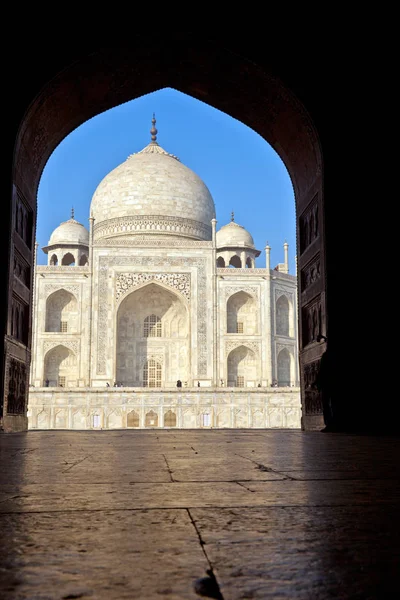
<point>143,301</point>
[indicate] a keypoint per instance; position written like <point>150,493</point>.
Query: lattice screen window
<point>152,374</point>
<point>239,327</point>
<point>152,326</point>
<point>61,381</point>
<point>240,381</point>
<point>64,326</point>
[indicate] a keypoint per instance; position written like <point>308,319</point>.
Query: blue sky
<point>241,170</point>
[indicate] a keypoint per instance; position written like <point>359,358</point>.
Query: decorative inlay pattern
<point>16,386</point>
<point>23,218</point>
<point>309,225</point>
<point>233,290</point>
<point>50,288</point>
<point>149,241</point>
<point>249,272</point>
<point>280,347</point>
<point>311,273</point>
<point>312,398</point>
<point>22,269</point>
<point>19,319</point>
<point>311,321</point>
<point>145,262</point>
<point>278,291</point>
<point>160,224</point>
<point>231,345</point>
<point>126,281</point>
<point>71,344</point>
<point>157,357</point>
<point>60,269</point>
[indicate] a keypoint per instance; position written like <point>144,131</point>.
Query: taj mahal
<point>154,317</point>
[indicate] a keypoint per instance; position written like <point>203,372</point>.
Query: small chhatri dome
<point>233,234</point>
<point>70,232</point>
<point>152,193</point>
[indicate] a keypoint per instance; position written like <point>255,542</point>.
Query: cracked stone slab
<point>303,552</point>
<point>100,555</point>
<point>58,497</point>
<point>201,469</point>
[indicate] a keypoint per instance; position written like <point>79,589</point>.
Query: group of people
<point>179,383</point>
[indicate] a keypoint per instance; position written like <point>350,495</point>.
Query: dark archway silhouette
<point>259,90</point>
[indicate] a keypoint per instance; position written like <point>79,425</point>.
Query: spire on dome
<point>72,212</point>
<point>153,147</point>
<point>232,216</point>
<point>153,130</point>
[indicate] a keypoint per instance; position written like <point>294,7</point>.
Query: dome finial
<point>72,212</point>
<point>153,130</point>
<point>232,216</point>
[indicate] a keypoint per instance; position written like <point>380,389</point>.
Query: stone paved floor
<point>147,514</point>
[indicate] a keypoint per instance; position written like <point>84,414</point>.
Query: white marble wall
<point>184,269</point>
<point>89,409</point>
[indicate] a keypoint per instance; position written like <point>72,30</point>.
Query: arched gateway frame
<point>77,94</point>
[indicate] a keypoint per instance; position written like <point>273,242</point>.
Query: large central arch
<point>210,73</point>
<point>152,335</point>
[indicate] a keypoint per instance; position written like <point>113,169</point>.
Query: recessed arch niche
<point>241,314</point>
<point>152,325</point>
<point>74,93</point>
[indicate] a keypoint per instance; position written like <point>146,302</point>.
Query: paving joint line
<point>169,469</point>
<point>268,469</point>
<point>210,571</point>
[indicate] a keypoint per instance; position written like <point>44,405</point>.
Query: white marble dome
<point>69,232</point>
<point>232,235</point>
<point>152,193</point>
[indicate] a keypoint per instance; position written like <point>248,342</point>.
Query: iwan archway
<point>78,93</point>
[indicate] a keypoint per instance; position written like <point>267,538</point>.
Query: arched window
<point>61,312</point>
<point>60,367</point>
<point>152,326</point>
<point>133,419</point>
<point>152,374</point>
<point>241,314</point>
<point>242,367</point>
<point>151,419</point>
<point>68,260</point>
<point>220,262</point>
<point>170,419</point>
<point>235,262</point>
<point>54,260</point>
<point>282,316</point>
<point>249,263</point>
<point>83,260</point>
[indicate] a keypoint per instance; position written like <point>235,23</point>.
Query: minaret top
<point>153,130</point>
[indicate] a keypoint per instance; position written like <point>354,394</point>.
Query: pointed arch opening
<point>284,368</point>
<point>60,368</point>
<point>170,419</point>
<point>152,325</point>
<point>61,312</point>
<point>243,368</point>
<point>151,419</point>
<point>235,262</point>
<point>241,314</point>
<point>132,419</point>
<point>295,137</point>
<point>68,260</point>
<point>283,320</point>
